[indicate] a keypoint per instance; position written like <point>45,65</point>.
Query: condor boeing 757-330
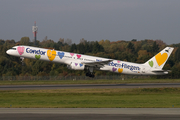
<point>76,61</point>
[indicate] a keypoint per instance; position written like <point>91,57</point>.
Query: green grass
<point>92,98</point>
<point>45,82</point>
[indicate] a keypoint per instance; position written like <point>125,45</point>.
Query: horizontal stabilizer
<point>158,70</point>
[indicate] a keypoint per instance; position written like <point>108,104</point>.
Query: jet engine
<point>76,66</point>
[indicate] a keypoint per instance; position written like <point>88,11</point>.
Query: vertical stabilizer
<point>159,60</point>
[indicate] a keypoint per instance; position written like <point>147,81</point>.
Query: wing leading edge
<point>97,63</point>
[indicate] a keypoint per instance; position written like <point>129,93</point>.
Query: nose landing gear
<point>22,60</point>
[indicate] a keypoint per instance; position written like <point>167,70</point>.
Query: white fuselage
<point>116,66</point>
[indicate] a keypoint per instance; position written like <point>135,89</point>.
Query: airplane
<point>75,61</point>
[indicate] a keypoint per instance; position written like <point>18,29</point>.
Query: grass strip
<point>92,98</point>
<point>52,82</point>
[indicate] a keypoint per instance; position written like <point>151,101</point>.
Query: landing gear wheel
<point>22,61</point>
<point>90,75</point>
<point>87,74</point>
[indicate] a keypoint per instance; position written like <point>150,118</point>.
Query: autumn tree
<point>131,47</point>
<point>155,47</point>
<point>177,55</point>
<point>25,41</point>
<point>143,56</point>
<point>97,48</point>
<point>68,41</point>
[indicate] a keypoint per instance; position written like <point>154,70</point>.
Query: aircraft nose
<point>8,51</point>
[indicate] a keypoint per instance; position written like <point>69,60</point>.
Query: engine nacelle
<point>76,66</point>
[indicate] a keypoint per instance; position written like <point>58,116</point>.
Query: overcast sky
<point>92,20</point>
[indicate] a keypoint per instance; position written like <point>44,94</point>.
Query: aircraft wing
<point>97,63</point>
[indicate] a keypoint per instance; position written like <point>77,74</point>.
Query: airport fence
<point>118,77</point>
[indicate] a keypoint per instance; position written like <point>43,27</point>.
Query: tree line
<point>132,51</point>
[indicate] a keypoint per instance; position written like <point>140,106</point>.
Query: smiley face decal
<point>51,54</point>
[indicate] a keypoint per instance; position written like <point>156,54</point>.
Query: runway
<point>85,86</point>
<point>90,113</point>
<point>123,111</point>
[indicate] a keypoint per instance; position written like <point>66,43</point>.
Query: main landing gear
<point>90,74</point>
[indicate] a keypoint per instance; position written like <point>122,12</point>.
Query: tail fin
<point>159,60</point>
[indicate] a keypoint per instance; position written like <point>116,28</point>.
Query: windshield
<point>13,48</point>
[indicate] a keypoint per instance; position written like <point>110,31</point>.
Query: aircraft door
<point>143,70</point>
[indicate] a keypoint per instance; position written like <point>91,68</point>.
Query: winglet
<point>159,60</point>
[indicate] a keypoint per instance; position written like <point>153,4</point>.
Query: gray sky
<point>91,19</point>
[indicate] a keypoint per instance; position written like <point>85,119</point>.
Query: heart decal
<point>151,63</point>
<point>71,54</point>
<point>120,70</point>
<point>114,69</point>
<point>78,56</point>
<point>161,58</point>
<point>51,54</point>
<point>76,64</point>
<point>61,54</point>
<point>80,65</point>
<point>20,50</point>
<point>37,57</point>
<point>118,61</point>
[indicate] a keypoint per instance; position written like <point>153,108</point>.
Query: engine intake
<point>76,66</point>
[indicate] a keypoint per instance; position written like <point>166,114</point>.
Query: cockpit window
<point>13,48</point>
